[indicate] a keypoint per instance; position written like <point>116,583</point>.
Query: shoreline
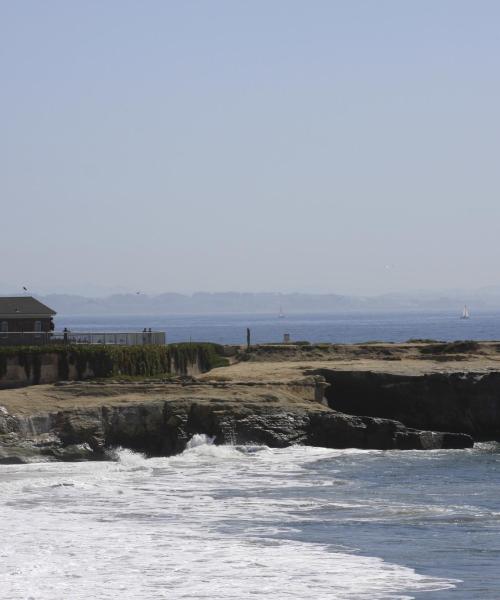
<point>381,396</point>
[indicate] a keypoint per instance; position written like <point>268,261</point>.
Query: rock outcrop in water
<point>160,419</point>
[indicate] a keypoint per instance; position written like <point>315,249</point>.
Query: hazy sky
<point>270,145</point>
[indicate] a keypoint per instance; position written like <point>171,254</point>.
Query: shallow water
<point>251,522</point>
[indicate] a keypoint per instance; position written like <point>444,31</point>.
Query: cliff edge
<point>86,420</point>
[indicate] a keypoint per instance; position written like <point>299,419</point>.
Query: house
<point>24,314</point>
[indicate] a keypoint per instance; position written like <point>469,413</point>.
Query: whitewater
<point>250,522</point>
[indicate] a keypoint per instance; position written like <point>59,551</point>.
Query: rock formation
<point>159,419</point>
<point>464,402</point>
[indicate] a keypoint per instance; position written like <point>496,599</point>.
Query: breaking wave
<point>220,522</point>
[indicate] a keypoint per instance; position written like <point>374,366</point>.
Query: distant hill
<point>265,303</point>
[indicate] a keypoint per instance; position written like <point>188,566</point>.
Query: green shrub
<point>208,356</point>
<point>109,361</point>
<point>460,346</point>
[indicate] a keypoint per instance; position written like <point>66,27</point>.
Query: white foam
<point>198,525</point>
<point>131,460</point>
<point>200,439</point>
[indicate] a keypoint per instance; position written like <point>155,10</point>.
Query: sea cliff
<point>378,396</point>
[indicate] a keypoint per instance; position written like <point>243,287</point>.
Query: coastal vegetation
<point>207,355</point>
<point>457,347</point>
<point>111,361</point>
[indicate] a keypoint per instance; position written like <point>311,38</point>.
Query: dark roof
<point>24,305</point>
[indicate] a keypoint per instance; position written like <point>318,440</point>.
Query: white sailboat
<point>281,314</point>
<point>465,313</point>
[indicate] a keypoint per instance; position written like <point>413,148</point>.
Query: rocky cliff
<point>461,401</point>
<point>86,421</point>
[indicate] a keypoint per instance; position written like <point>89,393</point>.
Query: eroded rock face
<point>456,402</point>
<point>337,430</point>
<point>164,428</point>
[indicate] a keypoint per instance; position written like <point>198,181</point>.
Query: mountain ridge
<point>264,303</point>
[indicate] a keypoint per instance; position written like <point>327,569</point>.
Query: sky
<point>265,145</point>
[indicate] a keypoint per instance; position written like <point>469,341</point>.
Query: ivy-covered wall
<point>59,363</point>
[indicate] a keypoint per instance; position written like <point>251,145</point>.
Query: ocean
<point>336,328</point>
<point>229,522</point>
<point>241,523</point>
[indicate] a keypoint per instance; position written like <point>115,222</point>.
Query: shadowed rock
<point>164,428</point>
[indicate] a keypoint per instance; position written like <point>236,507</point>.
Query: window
<point>38,327</point>
<point>4,328</point>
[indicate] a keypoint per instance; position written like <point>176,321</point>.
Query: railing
<point>130,338</point>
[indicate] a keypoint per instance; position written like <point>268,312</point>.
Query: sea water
<point>352,327</point>
<point>246,522</point>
